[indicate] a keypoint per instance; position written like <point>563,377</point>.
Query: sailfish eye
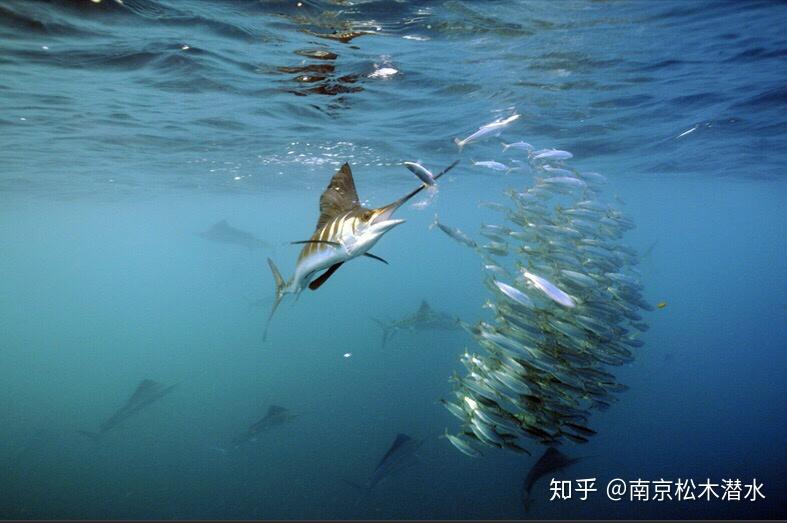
<point>367,215</point>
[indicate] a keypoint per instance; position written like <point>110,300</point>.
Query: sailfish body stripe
<point>335,228</point>
<point>318,256</point>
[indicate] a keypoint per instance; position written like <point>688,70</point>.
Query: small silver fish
<point>550,289</point>
<point>565,180</point>
<point>585,213</point>
<point>496,248</point>
<point>454,409</point>
<point>594,177</point>
<point>557,171</point>
<point>579,278</point>
<point>524,146</point>
<point>491,164</point>
<point>454,233</point>
<point>470,402</point>
<point>462,445</point>
<point>423,174</point>
<point>494,206</point>
<point>512,383</point>
<point>490,129</point>
<point>491,267</point>
<point>486,432</point>
<point>499,229</point>
<point>514,293</point>
<point>552,154</point>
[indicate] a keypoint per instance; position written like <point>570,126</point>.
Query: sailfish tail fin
<point>281,287</point>
<point>386,331</point>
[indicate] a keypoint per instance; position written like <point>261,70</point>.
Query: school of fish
<point>564,302</point>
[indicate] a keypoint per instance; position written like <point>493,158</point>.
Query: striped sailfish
<point>345,230</point>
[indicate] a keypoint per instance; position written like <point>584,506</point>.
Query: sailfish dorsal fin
<point>400,440</point>
<point>424,308</point>
<point>143,388</point>
<point>340,196</point>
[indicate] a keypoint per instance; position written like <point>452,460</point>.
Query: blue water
<point>127,129</point>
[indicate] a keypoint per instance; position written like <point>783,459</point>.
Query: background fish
<point>552,460</point>
<point>399,456</point>
<point>223,232</point>
<point>425,318</point>
<point>274,417</point>
<point>146,393</point>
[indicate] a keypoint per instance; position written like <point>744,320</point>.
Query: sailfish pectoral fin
<point>370,255</point>
<point>322,278</point>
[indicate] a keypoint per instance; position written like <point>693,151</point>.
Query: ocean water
<point>128,128</point>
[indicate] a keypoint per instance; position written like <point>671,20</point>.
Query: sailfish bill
<point>345,230</point>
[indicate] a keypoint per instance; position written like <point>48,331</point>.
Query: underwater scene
<point>393,259</point>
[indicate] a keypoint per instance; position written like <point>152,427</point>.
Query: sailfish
<point>345,230</point>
